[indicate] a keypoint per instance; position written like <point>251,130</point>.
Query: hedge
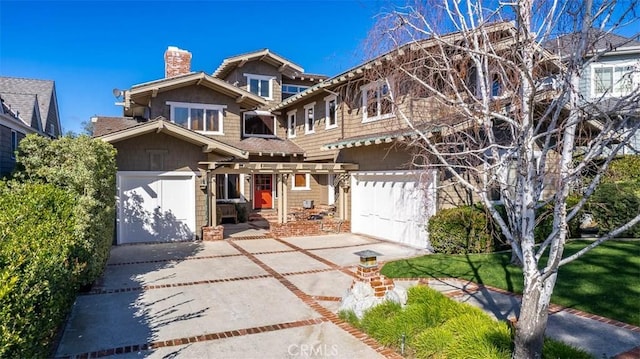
<point>39,266</point>
<point>462,229</point>
<point>86,168</point>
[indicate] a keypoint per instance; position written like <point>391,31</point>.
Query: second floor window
<point>291,124</point>
<point>376,102</point>
<point>199,117</point>
<point>14,143</point>
<point>259,124</point>
<point>331,111</point>
<point>612,80</point>
<point>309,118</point>
<point>260,85</point>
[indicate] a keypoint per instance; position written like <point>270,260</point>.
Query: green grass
<point>435,326</point>
<point>605,281</point>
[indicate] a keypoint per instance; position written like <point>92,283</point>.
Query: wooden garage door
<point>393,205</point>
<point>155,207</point>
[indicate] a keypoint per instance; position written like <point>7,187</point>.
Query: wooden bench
<point>228,210</point>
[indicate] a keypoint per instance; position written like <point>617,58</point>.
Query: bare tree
<point>500,114</point>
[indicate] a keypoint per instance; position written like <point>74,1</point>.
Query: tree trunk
<point>534,313</point>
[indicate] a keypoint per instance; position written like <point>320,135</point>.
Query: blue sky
<point>91,47</point>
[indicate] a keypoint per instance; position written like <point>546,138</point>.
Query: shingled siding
<point>7,160</point>
<point>204,95</point>
<point>312,143</point>
<point>136,155</point>
<point>237,78</point>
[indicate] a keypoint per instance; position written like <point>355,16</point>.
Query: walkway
<point>246,297</point>
<point>252,296</point>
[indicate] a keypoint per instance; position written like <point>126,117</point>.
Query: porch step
<point>264,215</point>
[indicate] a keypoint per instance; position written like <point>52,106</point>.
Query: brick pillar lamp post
<point>369,273</point>
<point>368,266</point>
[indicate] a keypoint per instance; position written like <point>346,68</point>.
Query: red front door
<point>262,187</point>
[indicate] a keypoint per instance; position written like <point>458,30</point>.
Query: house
<point>28,106</point>
<point>611,73</point>
<point>262,133</point>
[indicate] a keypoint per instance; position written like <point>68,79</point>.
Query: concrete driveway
<point>246,297</point>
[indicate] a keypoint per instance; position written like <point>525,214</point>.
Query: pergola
<point>282,170</point>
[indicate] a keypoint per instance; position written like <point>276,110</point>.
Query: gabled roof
<point>161,125</point>
<point>24,107</point>
<point>141,93</point>
<point>285,66</point>
<point>599,41</point>
<point>43,90</point>
<point>358,71</point>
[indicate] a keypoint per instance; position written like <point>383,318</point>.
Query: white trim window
<point>300,182</point>
<point>290,90</point>
<point>200,117</point>
<point>258,124</point>
<point>331,111</point>
<point>309,118</point>
<point>291,124</point>
<point>260,85</point>
<point>14,144</point>
<point>612,80</point>
<point>376,102</point>
<point>229,187</point>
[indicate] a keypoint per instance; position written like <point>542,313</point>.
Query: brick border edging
<point>311,302</point>
<point>196,338</point>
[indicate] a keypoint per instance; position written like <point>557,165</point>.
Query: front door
<point>262,189</point>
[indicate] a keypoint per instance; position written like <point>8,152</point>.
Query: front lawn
<point>605,281</point>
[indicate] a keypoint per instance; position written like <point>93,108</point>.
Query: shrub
<point>439,327</point>
<point>614,204</point>
<point>39,270</point>
<point>86,168</point>
<point>623,169</point>
<point>460,230</point>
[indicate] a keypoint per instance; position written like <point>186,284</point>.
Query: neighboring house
<point>612,73</point>
<point>28,106</point>
<point>261,132</point>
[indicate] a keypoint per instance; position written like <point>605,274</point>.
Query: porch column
<point>284,196</point>
<point>281,215</point>
<point>214,206</point>
<point>341,199</point>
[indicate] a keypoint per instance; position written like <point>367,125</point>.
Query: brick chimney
<point>176,62</point>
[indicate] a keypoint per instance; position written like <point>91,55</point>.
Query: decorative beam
<point>154,92</point>
<point>242,62</point>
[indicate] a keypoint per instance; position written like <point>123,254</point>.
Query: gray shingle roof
<point>598,41</point>
<point>43,90</point>
<point>23,106</point>
<point>105,125</point>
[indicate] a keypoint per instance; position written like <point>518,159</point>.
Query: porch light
<point>368,258</point>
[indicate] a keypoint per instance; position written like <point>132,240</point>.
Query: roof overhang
<point>143,93</point>
<point>171,129</point>
<point>279,167</point>
<point>283,65</point>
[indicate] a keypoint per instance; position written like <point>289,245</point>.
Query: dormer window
<point>205,118</point>
<point>259,124</point>
<point>260,85</point>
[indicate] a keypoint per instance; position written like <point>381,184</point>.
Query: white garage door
<point>393,205</point>
<point>155,207</point>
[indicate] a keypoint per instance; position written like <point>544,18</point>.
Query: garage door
<point>393,205</point>
<point>155,207</point>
